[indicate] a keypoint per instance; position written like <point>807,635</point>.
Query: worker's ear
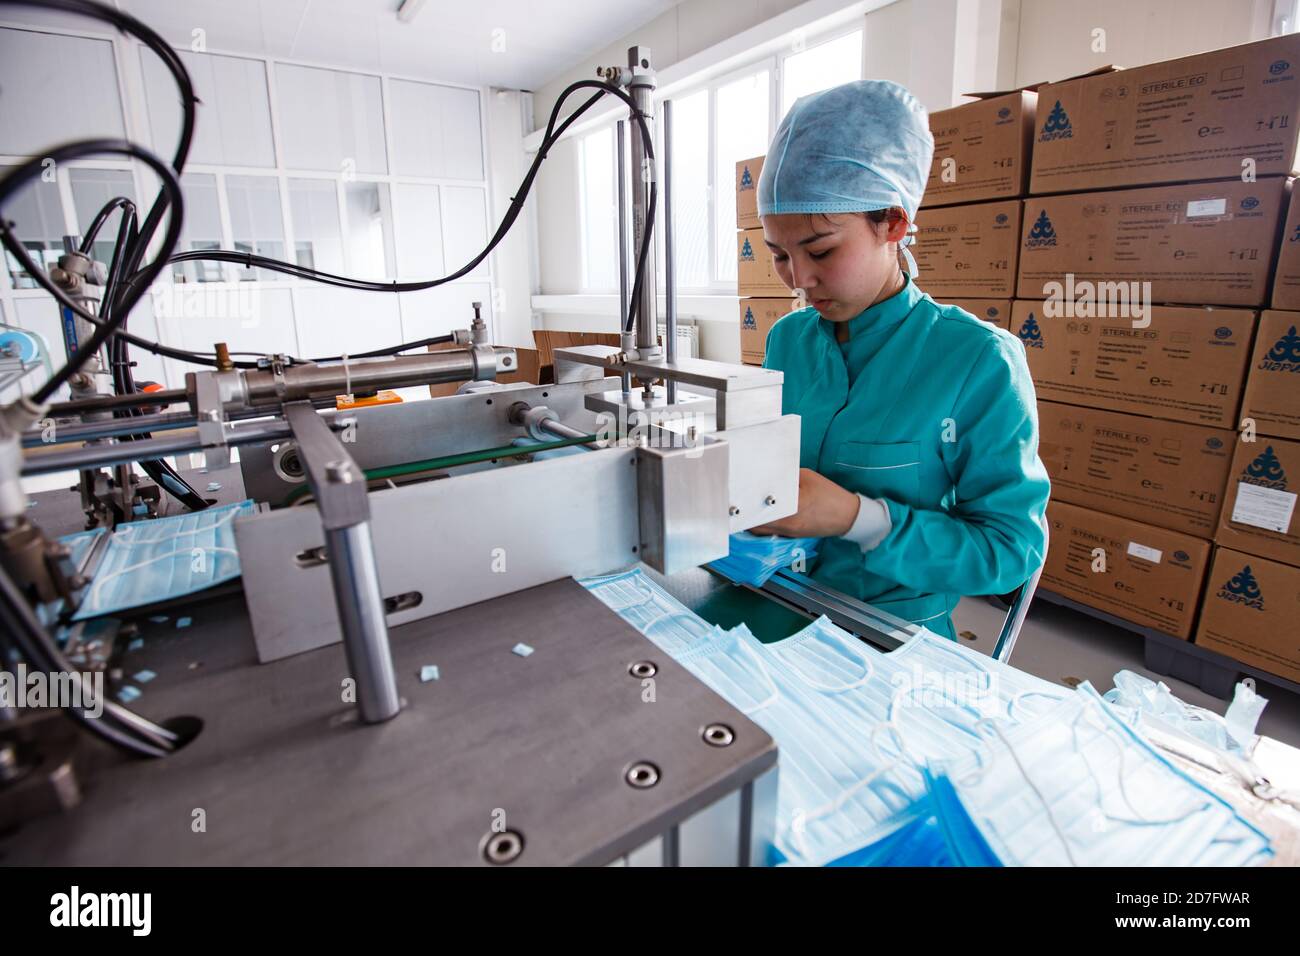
<point>898,225</point>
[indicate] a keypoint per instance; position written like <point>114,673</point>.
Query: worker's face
<point>843,262</point>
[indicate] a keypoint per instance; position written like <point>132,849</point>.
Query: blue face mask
<point>654,612</point>
<point>1076,787</point>
<point>753,558</point>
<point>151,561</point>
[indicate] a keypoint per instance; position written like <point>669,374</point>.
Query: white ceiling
<point>449,39</point>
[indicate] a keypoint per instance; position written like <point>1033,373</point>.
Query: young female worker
<point>919,446</point>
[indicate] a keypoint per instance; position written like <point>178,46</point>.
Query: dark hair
<point>877,216</point>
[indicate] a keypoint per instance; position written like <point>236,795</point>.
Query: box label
<point>1268,508</point>
<point>1207,207</point>
<point>1146,554</point>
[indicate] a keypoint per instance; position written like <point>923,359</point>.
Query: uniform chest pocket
<point>881,470</point>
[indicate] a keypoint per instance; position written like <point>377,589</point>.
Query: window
<point>91,191</point>
<point>742,110</point>
<point>234,120</point>
<point>343,132</point>
<point>599,198</point>
<point>465,232</point>
<point>52,86</point>
<point>317,238</point>
<point>820,67</point>
<point>38,218</point>
<point>256,224</point>
<point>419,232</point>
<point>201,228</point>
<point>691,190</point>
<point>370,230</point>
<point>436,131</point>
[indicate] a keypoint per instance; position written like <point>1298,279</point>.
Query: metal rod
<point>100,455</point>
<point>360,603</point>
<point>621,174</point>
<point>670,265</point>
<point>165,397</point>
<point>642,89</point>
<point>363,375</point>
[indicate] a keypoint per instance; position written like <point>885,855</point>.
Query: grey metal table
<point>555,748</point>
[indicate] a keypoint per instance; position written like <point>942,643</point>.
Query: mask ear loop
<point>1011,705</point>
<point>867,662</point>
<point>898,727</point>
<point>1142,820</point>
<point>831,806</point>
<point>1051,817</point>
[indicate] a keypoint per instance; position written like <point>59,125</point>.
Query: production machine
<point>293,715</point>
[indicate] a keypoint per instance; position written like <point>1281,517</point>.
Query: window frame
<point>774,63</point>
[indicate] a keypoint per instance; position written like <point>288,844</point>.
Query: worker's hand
<point>825,510</point>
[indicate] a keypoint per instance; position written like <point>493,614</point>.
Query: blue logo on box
<point>1278,66</point>
<point>746,180</point>
<point>1265,471</point>
<point>1250,202</point>
<point>1001,219</point>
<point>1042,233</point>
<point>1242,588</point>
<point>749,322</point>
<point>1057,125</point>
<point>1181,556</point>
<point>1223,332</point>
<point>747,252</point>
<point>1004,113</point>
<point>1031,334</point>
<point>1284,356</point>
<point>1213,443</point>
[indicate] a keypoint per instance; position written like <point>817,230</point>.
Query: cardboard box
<point>1168,474</point>
<point>1187,365</point>
<point>755,272</point>
<point>1249,612</point>
<point>1272,397</point>
<point>747,172</point>
<point>996,311</point>
<point>968,250</point>
<point>981,149</point>
<point>548,340</point>
<point>1196,117</point>
<point>1259,503</point>
<point>757,316</point>
<point>1143,574</point>
<point>1199,243</point>
<point>1286,273</point>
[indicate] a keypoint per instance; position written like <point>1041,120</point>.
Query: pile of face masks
<point>881,754</point>
<point>755,558</point>
<point>151,561</point>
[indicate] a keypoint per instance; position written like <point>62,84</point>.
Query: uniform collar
<point>882,315</point>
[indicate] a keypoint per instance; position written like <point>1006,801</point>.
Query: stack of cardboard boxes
<point>1167,411</point>
<point>1136,217</point>
<point>968,229</point>
<point>1140,219</point>
<point>764,298</point>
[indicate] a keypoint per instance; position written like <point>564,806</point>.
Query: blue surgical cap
<point>862,146</point>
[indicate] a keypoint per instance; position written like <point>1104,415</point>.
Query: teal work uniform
<point>933,411</point>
